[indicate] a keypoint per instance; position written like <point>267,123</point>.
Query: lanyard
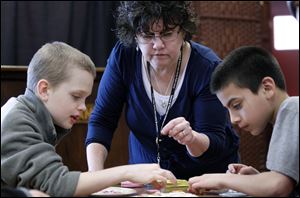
<point>177,72</point>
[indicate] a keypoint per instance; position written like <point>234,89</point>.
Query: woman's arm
<point>96,155</point>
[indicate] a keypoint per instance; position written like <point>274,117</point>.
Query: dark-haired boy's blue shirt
<point>122,83</point>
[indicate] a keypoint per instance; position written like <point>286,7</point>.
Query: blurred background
<point>27,25</point>
<point>88,26</point>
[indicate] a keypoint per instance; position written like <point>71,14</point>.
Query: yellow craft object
<point>181,185</point>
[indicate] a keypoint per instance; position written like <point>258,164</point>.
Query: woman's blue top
<point>122,84</point>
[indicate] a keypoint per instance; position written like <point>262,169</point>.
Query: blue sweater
<point>122,84</point>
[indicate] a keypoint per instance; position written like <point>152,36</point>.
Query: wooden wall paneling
<point>13,82</point>
<point>72,147</point>
<point>288,59</point>
<point>226,25</point>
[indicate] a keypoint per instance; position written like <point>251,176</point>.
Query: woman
<point>162,78</point>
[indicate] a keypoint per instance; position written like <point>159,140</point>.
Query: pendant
<point>164,104</point>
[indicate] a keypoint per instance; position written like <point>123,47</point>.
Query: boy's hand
<point>37,193</point>
<point>149,173</point>
<point>241,169</point>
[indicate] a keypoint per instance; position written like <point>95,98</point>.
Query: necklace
<point>163,103</point>
<point>163,100</point>
<point>160,91</point>
<point>177,72</point>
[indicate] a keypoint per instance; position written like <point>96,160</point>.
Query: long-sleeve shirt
<point>28,156</point>
<point>122,84</point>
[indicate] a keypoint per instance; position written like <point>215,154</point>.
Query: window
<point>286,33</point>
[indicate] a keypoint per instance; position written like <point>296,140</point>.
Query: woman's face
<point>161,49</point>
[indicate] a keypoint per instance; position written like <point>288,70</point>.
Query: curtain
<point>85,25</point>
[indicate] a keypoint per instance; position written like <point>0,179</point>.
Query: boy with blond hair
<point>59,80</point>
<point>250,84</point>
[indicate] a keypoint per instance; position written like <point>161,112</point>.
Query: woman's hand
<point>241,169</point>
<point>180,130</point>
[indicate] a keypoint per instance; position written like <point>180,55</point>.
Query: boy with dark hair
<point>250,84</point>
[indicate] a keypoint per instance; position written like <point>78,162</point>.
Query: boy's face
<point>66,102</point>
<point>249,111</point>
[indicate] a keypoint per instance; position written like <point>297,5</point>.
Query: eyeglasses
<point>144,38</point>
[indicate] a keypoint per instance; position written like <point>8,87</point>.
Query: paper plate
<point>232,193</point>
<point>129,184</point>
<point>115,191</point>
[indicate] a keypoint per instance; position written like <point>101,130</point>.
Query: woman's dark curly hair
<point>134,17</point>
